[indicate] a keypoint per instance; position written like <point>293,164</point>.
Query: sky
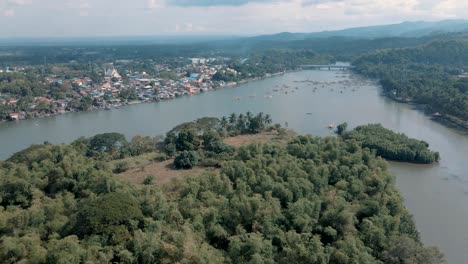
<point>77,18</point>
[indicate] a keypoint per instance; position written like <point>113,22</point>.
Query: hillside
<point>429,74</point>
<point>307,200</point>
<point>404,29</point>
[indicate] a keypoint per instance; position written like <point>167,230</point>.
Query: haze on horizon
<point>75,18</point>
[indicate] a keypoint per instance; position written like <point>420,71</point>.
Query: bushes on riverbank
<point>426,74</point>
<point>391,145</point>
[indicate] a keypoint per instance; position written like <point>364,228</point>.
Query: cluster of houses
<point>195,77</point>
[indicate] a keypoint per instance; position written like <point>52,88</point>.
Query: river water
<point>437,195</point>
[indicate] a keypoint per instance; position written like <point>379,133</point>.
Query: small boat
<point>308,113</point>
<point>331,126</point>
<point>237,98</point>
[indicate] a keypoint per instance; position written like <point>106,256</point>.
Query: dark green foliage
<point>187,139</point>
<point>148,180</point>
<point>426,74</point>
<point>246,123</point>
<point>109,214</point>
<point>115,146</point>
<point>391,145</point>
<point>209,138</point>
<point>107,142</point>
<point>317,200</point>
<point>186,160</point>
<point>341,128</point>
<point>122,166</point>
<point>206,134</point>
<point>201,125</point>
<point>267,61</point>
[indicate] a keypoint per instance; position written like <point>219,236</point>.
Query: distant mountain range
<point>416,29</point>
<point>405,29</point>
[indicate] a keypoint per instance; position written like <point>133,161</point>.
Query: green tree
<point>110,214</point>
<point>107,142</point>
<point>341,128</point>
<point>186,160</point>
<point>187,139</point>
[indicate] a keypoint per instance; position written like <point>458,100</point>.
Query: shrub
<point>160,158</point>
<point>122,166</point>
<point>186,160</point>
<point>148,180</point>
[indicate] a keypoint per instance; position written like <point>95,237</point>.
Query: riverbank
<point>444,119</point>
<point>29,116</point>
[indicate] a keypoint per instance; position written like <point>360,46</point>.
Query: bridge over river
<point>329,67</point>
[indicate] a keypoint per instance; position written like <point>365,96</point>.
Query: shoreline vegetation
<point>389,145</point>
<point>236,189</point>
<point>444,119</point>
<point>431,76</point>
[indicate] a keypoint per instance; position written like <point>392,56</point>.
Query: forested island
<point>285,199</point>
<point>390,145</point>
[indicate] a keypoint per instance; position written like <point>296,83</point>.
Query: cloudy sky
<point>60,18</point>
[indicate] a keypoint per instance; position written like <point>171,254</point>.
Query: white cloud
<point>152,4</point>
<point>19,2</point>
<point>160,17</point>
<point>8,13</point>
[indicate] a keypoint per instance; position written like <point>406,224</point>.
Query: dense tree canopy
<point>427,74</point>
<point>314,200</point>
<point>391,145</point>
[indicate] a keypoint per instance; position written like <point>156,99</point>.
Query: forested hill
<point>453,53</point>
<point>311,200</point>
<point>430,74</point>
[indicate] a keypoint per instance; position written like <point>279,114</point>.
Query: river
<point>437,195</point>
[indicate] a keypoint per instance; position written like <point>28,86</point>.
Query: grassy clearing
<point>265,137</point>
<point>140,167</point>
<point>163,172</point>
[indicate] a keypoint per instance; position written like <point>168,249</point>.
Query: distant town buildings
<point>196,61</point>
<point>107,88</point>
<point>112,73</point>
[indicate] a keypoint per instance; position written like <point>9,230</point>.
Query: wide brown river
<point>308,101</point>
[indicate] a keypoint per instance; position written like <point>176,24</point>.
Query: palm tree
<point>249,115</point>
<point>233,119</point>
<point>224,122</point>
<point>241,123</point>
<point>260,116</point>
<point>260,124</point>
<point>268,119</point>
